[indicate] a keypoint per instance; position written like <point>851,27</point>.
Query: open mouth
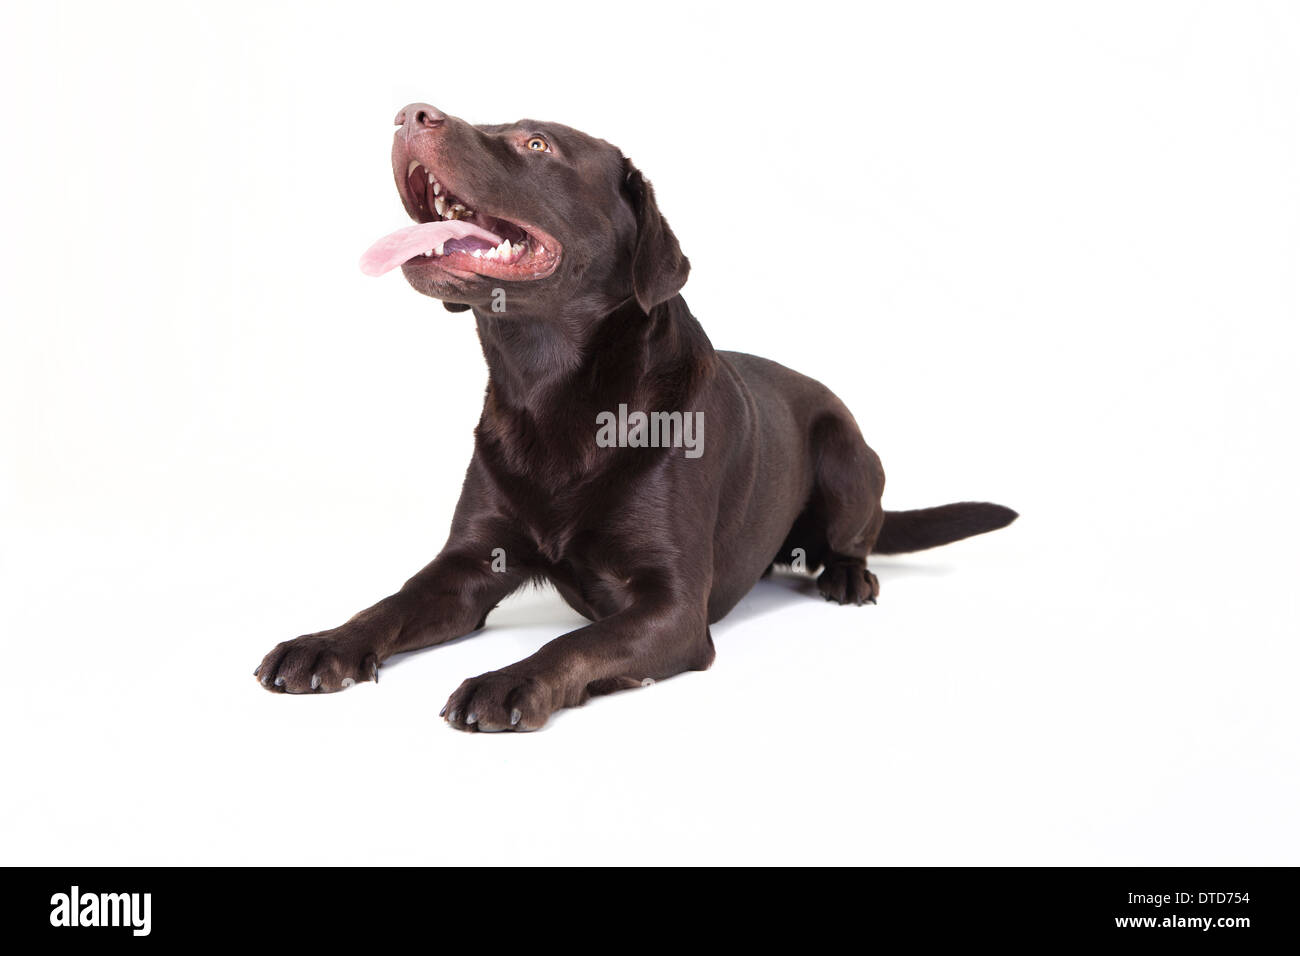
<point>453,235</point>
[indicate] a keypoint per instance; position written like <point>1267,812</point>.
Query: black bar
<point>1223,907</point>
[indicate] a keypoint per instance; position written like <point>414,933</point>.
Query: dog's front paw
<point>319,663</point>
<point>499,700</point>
<point>848,582</point>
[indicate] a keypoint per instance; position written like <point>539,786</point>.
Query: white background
<point>1047,253</point>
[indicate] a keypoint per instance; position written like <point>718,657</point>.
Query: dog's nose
<point>418,117</point>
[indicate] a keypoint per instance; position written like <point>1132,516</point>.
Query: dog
<point>583,473</point>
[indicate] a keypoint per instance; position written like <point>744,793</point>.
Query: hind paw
<point>848,582</point>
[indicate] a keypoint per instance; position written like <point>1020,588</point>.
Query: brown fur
<point>650,545</point>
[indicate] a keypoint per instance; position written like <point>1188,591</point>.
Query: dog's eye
<point>538,144</point>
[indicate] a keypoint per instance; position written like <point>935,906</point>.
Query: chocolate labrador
<point>650,478</point>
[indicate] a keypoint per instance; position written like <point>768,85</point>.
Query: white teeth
<point>440,205</point>
<point>411,168</point>
<point>507,252</point>
<point>430,179</point>
<point>437,186</point>
<point>429,253</point>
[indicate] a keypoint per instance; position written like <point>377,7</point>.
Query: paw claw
<point>848,582</point>
<point>313,663</point>
<point>501,700</point>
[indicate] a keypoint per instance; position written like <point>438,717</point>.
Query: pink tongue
<point>394,249</point>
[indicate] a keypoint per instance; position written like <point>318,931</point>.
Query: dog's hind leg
<point>848,484</point>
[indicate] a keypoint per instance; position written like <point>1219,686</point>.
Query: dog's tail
<point>930,527</point>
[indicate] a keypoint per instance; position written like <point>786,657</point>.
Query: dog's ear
<point>659,269</point>
<point>455,306</point>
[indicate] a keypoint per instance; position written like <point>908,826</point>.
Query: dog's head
<point>560,221</point>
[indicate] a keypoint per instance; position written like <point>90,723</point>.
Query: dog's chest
<point>585,530</point>
<point>579,515</point>
<point>563,525</point>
